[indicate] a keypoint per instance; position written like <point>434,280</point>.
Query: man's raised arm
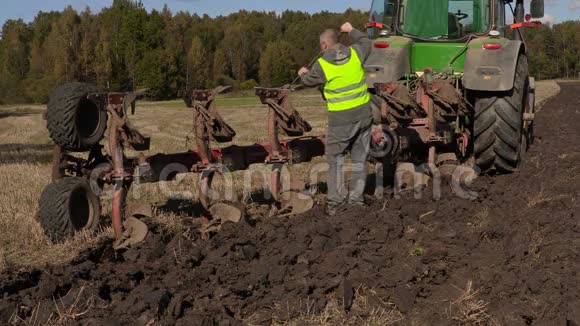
<point>361,41</point>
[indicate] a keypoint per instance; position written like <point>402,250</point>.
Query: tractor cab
<point>433,20</point>
<point>447,20</point>
<point>416,34</point>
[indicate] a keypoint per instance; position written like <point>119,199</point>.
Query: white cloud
<point>548,19</point>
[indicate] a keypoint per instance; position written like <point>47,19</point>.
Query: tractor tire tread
<point>498,125</point>
<point>61,117</point>
<point>54,208</point>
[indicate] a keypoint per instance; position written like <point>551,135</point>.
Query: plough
<point>120,171</point>
<point>423,123</point>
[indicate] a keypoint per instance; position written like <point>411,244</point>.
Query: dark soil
<point>518,242</point>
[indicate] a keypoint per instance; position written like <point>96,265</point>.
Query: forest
<point>125,47</point>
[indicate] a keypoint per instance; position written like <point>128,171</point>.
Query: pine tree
<point>220,68</point>
<point>276,65</point>
<point>88,42</point>
<point>197,66</point>
<point>15,49</point>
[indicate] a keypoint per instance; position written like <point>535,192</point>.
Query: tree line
<point>554,50</point>
<point>124,48</point>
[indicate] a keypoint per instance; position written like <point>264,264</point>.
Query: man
<point>340,71</point>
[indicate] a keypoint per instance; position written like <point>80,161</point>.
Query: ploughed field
<point>509,257</point>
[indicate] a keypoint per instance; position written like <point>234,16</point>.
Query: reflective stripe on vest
<point>345,87</point>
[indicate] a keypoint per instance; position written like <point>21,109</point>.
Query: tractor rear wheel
<point>498,125</point>
<point>68,205</point>
<point>75,121</point>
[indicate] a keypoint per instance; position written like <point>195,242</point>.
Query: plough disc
<point>226,212</point>
<point>135,232</point>
<point>295,202</point>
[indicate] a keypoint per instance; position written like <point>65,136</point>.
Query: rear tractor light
<point>382,45</point>
<point>374,24</point>
<point>492,46</point>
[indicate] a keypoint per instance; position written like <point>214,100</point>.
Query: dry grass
<point>469,310</point>
<point>65,311</point>
<point>367,310</point>
<point>542,197</point>
<point>480,220</point>
<point>24,171</point>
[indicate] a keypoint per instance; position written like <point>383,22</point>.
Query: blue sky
<point>556,10</point>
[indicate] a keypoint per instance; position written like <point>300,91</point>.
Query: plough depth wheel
<point>68,205</point>
<point>75,120</point>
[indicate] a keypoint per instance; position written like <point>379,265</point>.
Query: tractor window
<point>444,19</point>
<point>382,11</point>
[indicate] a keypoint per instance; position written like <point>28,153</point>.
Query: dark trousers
<point>341,140</point>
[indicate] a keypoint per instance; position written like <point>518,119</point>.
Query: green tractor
<point>450,78</point>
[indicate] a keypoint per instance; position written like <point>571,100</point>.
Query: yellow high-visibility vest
<point>345,87</point>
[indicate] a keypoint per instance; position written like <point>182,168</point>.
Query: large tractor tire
<point>68,205</point>
<point>75,121</point>
<point>498,126</point>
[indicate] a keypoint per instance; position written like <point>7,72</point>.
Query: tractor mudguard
<point>389,60</point>
<point>491,69</point>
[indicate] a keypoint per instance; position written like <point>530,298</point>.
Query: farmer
<point>340,71</point>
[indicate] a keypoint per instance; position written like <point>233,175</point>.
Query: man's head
<point>328,39</point>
